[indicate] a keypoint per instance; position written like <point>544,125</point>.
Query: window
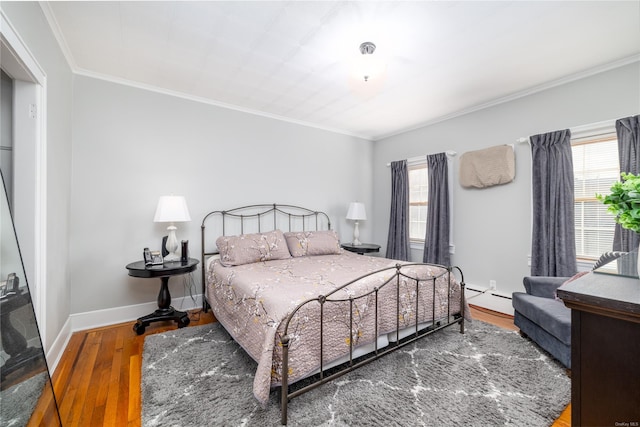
<point>418,191</point>
<point>595,168</point>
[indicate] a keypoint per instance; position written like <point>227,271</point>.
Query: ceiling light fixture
<point>367,49</point>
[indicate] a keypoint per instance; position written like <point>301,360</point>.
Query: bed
<point>303,308</point>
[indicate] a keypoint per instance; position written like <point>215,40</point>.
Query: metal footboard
<point>427,284</point>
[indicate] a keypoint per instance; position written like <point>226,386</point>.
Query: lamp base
<point>172,245</point>
<point>172,256</point>
<point>356,235</point>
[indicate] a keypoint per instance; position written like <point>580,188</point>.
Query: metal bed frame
<point>290,212</point>
<point>273,214</point>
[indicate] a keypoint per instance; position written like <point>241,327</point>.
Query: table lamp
<point>172,209</point>
<point>356,213</point>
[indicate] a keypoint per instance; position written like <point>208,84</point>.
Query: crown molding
<point>208,101</point>
<point>57,33</point>
<point>517,95</point>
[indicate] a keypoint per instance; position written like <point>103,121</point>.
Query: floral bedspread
<point>252,301</point>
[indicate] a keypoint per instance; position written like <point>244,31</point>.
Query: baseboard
<point>112,316</point>
<point>106,317</point>
<point>54,354</point>
<point>488,298</point>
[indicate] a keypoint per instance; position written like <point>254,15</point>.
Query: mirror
<point>26,391</point>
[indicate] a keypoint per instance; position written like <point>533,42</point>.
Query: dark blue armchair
<point>544,318</point>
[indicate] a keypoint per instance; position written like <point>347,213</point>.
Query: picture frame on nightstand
<point>152,257</point>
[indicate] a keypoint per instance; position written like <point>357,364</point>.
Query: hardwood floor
<point>97,381</point>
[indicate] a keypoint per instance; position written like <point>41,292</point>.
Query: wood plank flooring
<point>97,382</point>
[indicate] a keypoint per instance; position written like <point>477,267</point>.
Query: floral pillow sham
<point>306,243</point>
<point>250,248</point>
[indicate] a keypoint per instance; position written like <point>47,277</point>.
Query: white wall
<point>492,227</point>
<point>30,24</point>
<point>131,146</point>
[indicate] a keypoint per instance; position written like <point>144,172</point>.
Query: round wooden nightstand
<point>164,271</point>
<point>361,249</point>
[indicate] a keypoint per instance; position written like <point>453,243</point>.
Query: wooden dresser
<point>605,345</point>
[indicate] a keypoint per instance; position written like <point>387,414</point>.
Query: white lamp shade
<point>357,212</point>
<point>172,209</point>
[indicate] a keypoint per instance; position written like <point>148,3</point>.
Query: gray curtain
<point>628,130</point>
<point>553,248</point>
<point>436,241</point>
<point>398,240</point>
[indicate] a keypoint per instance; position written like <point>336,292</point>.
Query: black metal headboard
<point>256,219</point>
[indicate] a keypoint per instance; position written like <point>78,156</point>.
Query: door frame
<point>30,162</point>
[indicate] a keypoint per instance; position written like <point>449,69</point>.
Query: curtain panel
<point>398,239</point>
<point>436,241</point>
<point>553,248</point>
<point>628,131</point>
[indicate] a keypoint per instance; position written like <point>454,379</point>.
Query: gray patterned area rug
<point>489,376</point>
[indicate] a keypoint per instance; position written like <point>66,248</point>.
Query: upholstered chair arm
<point>543,286</point>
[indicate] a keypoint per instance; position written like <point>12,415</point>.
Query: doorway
<point>28,160</point>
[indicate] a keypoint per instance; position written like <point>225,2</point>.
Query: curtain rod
<point>449,154</point>
<point>591,127</point>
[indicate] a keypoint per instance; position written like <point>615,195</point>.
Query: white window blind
<point>595,169</point>
<point>418,199</point>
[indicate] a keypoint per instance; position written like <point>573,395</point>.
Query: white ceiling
<point>295,60</point>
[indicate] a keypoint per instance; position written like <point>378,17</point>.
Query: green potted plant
<point>624,201</point>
